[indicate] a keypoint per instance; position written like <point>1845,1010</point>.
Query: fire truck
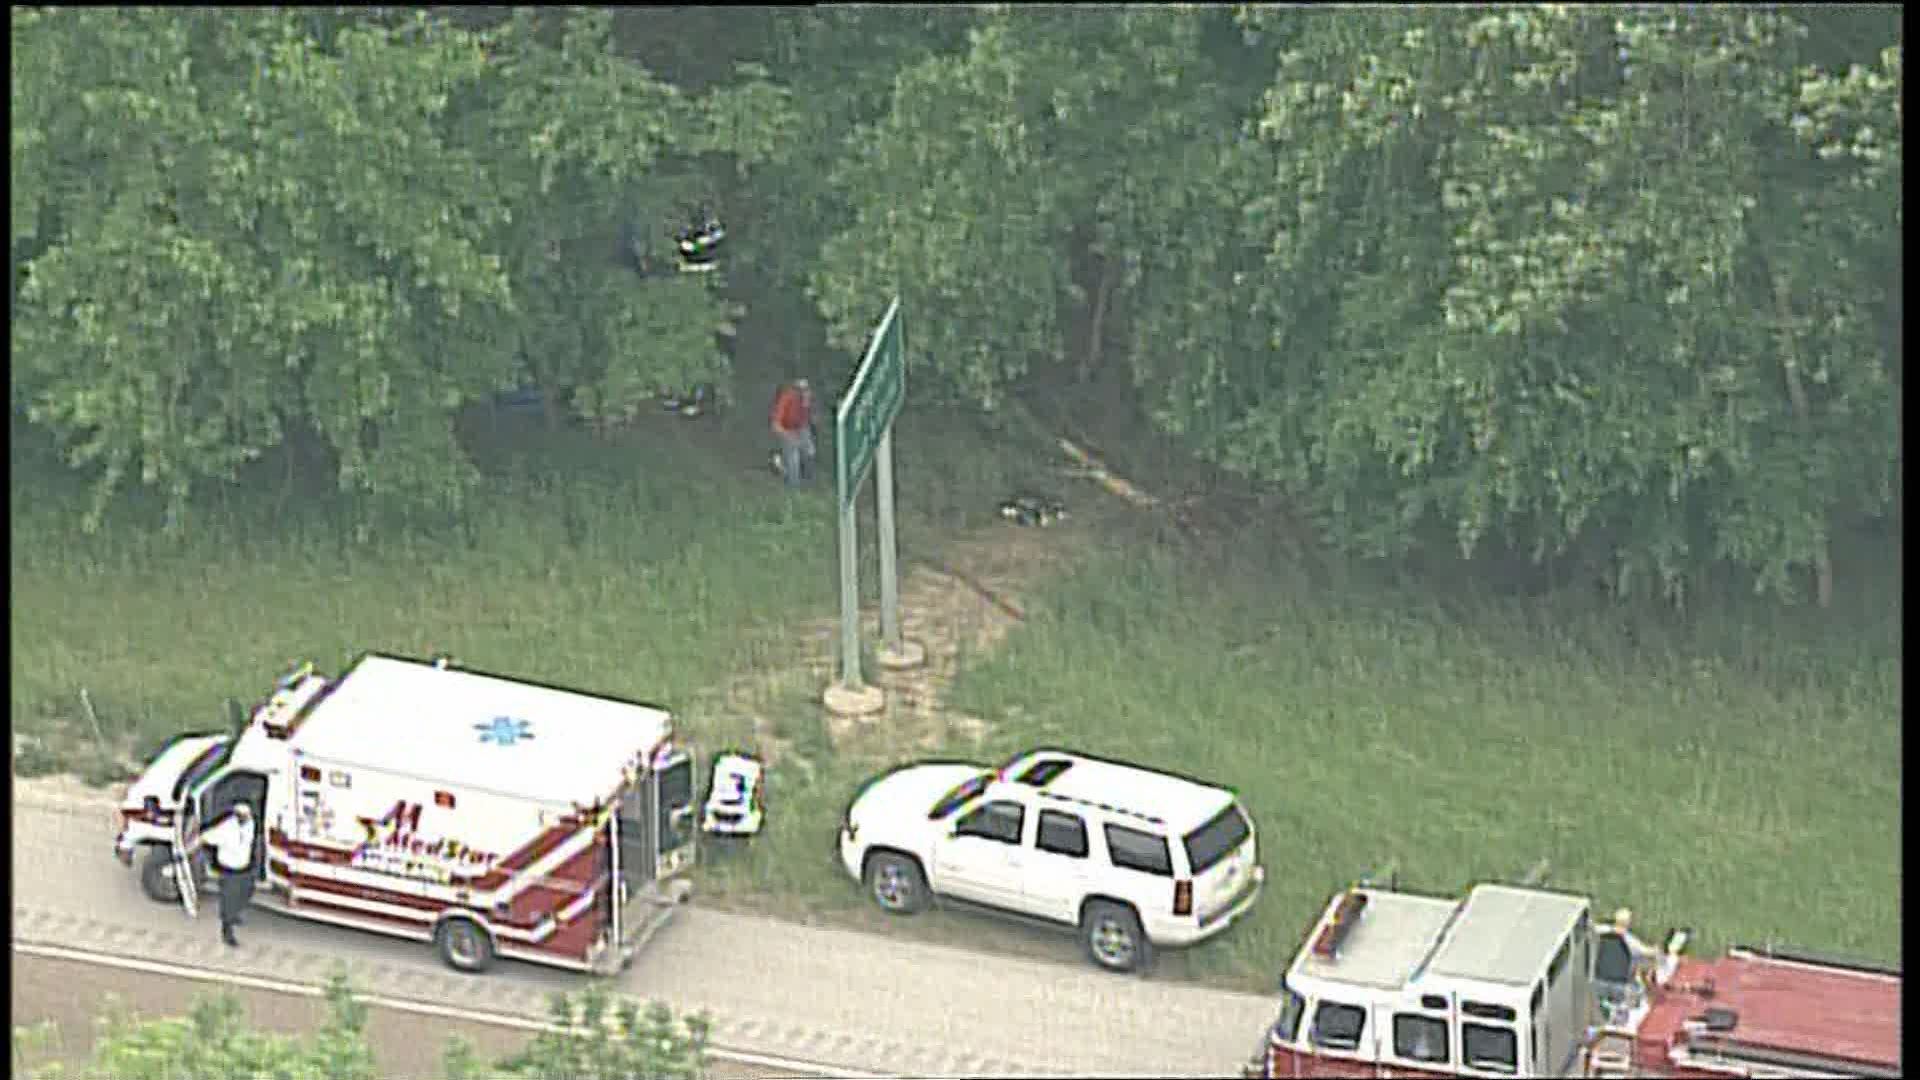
<point>487,816</point>
<point>1518,981</point>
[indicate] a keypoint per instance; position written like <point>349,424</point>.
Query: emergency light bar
<point>1346,915</point>
<point>280,713</point>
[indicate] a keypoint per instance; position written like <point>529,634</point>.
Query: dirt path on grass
<point>960,595</point>
<point>959,598</point>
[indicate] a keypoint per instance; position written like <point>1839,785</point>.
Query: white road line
<point>251,982</point>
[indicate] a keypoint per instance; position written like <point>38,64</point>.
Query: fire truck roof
<point>1393,934</point>
<point>1505,935</point>
<point>483,731</point>
<point>1817,1018</point>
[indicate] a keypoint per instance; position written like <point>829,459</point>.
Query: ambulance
<point>489,817</point>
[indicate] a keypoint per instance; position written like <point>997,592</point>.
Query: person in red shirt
<point>791,419</point>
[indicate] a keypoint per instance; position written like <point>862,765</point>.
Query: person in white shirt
<point>232,841</point>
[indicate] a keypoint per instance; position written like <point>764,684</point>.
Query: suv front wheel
<point>896,883</point>
<point>1113,937</point>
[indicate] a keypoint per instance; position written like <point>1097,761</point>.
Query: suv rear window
<point>1132,849</point>
<point>1217,839</point>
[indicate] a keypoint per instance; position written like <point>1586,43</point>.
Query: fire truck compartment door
<point>186,836</point>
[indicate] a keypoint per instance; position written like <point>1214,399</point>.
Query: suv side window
<point>1062,834</point>
<point>1135,850</point>
<point>998,820</point>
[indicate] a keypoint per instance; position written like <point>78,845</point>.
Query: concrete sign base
<point>848,701</point>
<point>910,655</point>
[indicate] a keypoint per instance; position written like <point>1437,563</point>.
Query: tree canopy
<point>215,1040</point>
<point>591,1037</point>
<point>1620,286</point>
<point>1573,279</point>
<point>230,223</point>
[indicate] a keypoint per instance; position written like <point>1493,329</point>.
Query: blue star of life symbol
<point>503,730</point>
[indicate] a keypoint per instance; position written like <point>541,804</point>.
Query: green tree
<point>231,225</point>
<point>1000,170</point>
<point>253,232</point>
<point>1609,286</point>
<point>596,1039</point>
<point>593,1039</point>
<point>1518,276</point>
<point>214,1042</point>
<point>1551,260</point>
<point>839,64</point>
<point>590,150</point>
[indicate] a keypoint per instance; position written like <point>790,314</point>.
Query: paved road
<point>859,1001</point>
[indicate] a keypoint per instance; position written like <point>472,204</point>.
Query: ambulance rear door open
<point>655,826</point>
<point>186,835</point>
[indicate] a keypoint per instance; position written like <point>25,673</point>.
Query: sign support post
<point>849,599</point>
<point>890,642</point>
<point>863,440</point>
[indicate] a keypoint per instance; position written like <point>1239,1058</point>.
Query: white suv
<point>1128,857</point>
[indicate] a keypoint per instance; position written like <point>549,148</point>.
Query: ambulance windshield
<point>202,767</point>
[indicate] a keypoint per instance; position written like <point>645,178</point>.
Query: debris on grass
<point>1033,510</point>
<point>690,404</point>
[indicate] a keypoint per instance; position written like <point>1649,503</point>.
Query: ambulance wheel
<point>896,883</point>
<point>1112,935</point>
<point>156,874</point>
<point>465,946</point>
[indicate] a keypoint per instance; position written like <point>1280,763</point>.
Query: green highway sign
<point>863,440</point>
<point>879,386</point>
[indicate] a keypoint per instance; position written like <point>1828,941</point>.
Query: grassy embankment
<point>1742,778</point>
<point>1739,775</point>
<point>655,567</point>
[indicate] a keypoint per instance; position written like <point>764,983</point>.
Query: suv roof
<point>1160,799</point>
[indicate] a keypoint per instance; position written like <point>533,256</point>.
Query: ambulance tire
<point>156,874</point>
<point>464,945</point>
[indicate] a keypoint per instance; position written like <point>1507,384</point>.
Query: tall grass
<point>1736,772</point>
<point>632,570</point>
<point>1738,780</point>
<point>657,565</point>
